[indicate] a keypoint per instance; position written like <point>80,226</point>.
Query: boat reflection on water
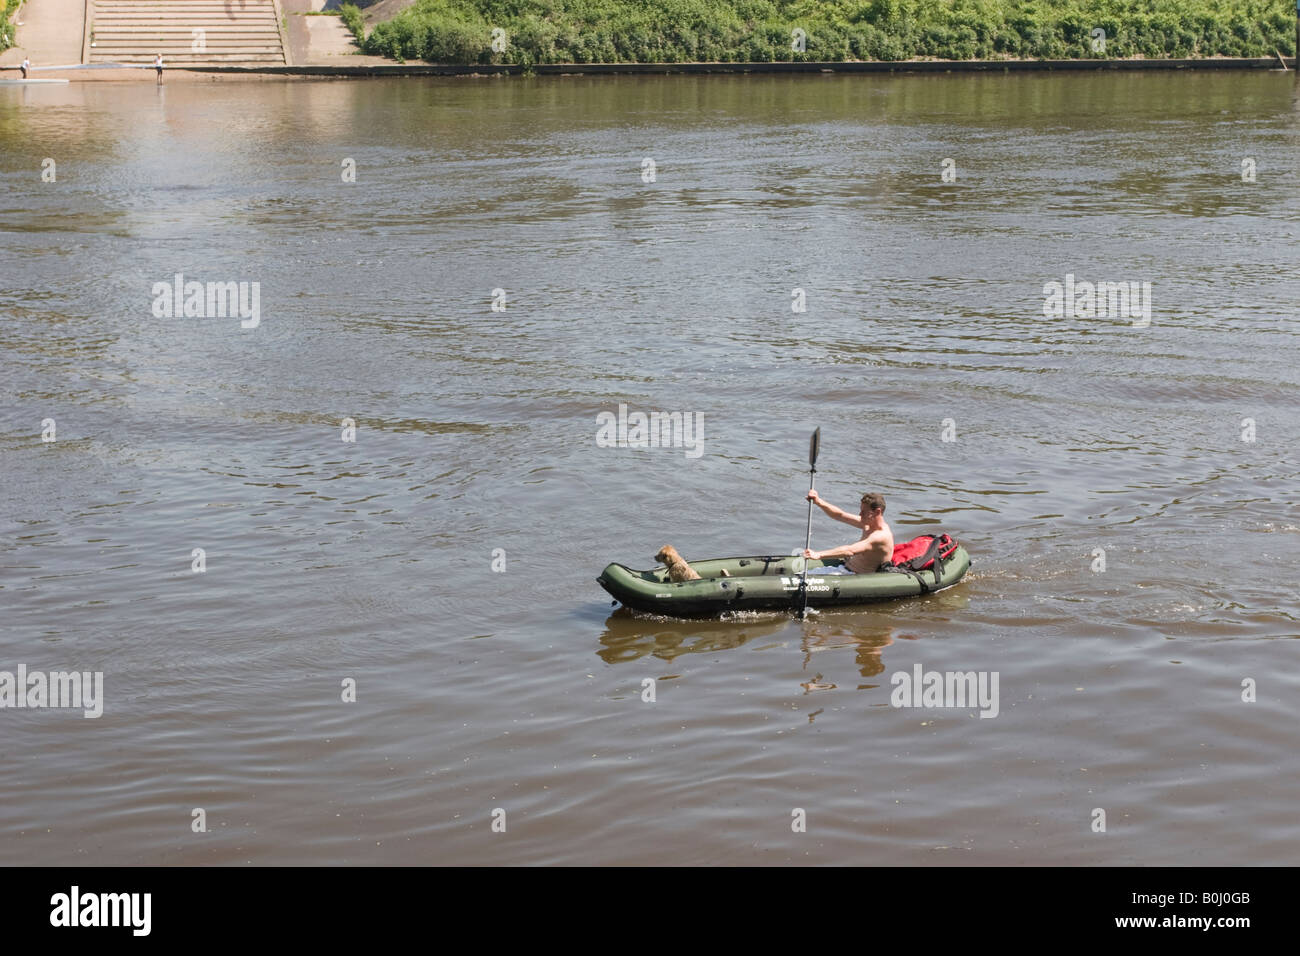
<point>629,635</point>
<point>861,633</point>
<point>867,632</point>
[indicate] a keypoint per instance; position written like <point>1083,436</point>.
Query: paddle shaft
<point>807,540</point>
<point>807,543</point>
<point>814,449</point>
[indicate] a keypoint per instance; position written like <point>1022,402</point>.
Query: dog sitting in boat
<point>678,569</point>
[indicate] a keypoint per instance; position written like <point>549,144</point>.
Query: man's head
<point>872,503</point>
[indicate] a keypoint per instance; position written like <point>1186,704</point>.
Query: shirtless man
<point>874,548</point>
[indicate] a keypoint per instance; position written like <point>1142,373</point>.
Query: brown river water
<point>1126,484</point>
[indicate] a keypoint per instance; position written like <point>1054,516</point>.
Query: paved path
<point>50,34</point>
<point>318,41</point>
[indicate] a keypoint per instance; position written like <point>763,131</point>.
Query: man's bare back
<point>874,548</point>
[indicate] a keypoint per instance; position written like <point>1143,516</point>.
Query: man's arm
<point>857,547</point>
<point>833,512</point>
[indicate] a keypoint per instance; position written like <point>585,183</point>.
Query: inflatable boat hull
<point>768,582</point>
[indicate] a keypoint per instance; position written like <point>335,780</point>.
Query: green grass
<point>674,31</point>
<point>7,7</point>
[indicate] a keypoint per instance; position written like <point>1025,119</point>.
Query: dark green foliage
<point>673,31</point>
<point>7,7</point>
<point>351,16</point>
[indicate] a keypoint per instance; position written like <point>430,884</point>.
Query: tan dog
<point>678,569</point>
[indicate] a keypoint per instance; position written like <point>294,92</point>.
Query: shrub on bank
<point>350,13</point>
<point>7,8</point>
<point>674,31</point>
<point>436,37</point>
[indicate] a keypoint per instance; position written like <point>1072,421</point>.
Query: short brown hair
<point>874,501</point>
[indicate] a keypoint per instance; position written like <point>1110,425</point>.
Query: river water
<point>1127,488</point>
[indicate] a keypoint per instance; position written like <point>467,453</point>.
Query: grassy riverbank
<point>7,8</point>
<point>678,31</point>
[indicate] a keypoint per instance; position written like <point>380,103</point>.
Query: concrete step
<point>179,62</point>
<point>193,60</point>
<point>209,36</point>
<point>262,13</point>
<point>176,56</point>
<point>168,54</point>
<point>101,21</point>
<point>132,31</point>
<point>218,12</point>
<point>112,16</point>
<point>181,32</point>
<point>184,30</point>
<point>153,9</point>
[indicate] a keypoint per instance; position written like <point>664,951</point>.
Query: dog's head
<point>667,554</point>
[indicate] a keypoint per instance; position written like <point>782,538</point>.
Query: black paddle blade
<point>814,446</point>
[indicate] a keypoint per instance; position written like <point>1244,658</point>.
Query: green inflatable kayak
<point>772,582</point>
